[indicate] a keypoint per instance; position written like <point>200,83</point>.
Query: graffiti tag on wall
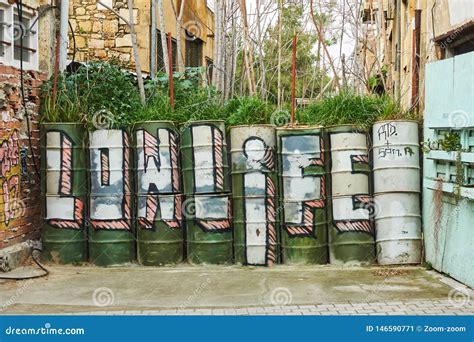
<point>158,178</point>
<point>63,210</point>
<point>385,133</point>
<point>10,179</point>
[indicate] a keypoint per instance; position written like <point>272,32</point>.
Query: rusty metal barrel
<point>303,177</point>
<point>158,193</point>
<point>396,160</point>
<point>207,208</point>
<point>254,195</point>
<point>64,188</point>
<point>111,233</point>
<point>351,233</point>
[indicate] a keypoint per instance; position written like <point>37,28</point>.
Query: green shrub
<point>96,88</point>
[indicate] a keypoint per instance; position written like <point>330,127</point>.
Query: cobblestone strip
<point>429,307</point>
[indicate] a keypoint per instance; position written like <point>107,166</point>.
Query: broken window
<point>159,57</point>
<point>456,42</point>
<point>194,47</point>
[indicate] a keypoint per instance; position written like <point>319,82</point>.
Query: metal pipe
<point>170,70</point>
<point>63,33</point>
<point>415,82</point>
<point>153,40</point>
<point>399,48</point>
<point>293,81</point>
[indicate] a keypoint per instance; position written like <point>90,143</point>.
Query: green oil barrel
<point>111,233</point>
<point>303,201</point>
<point>207,208</point>
<point>254,195</point>
<point>351,233</point>
<point>64,188</point>
<point>158,193</point>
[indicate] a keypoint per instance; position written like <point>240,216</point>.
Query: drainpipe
<point>153,40</point>
<point>415,82</point>
<point>63,33</point>
<point>399,48</point>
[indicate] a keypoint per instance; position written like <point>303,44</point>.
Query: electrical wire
<point>19,7</point>
<point>73,42</point>
<point>46,272</point>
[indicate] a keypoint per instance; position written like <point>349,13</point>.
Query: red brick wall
<point>20,213</point>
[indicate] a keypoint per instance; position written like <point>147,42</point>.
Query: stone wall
<point>99,34</point>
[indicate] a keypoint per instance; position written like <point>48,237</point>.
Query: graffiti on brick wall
<point>110,190</point>
<point>303,183</point>
<point>158,178</point>
<point>11,206</point>
<point>259,203</point>
<point>63,210</point>
<point>350,170</point>
<point>212,213</point>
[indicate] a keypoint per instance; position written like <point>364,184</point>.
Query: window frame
<point>10,11</point>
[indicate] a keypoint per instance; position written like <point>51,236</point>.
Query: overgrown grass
<point>347,107</point>
<point>103,96</point>
<point>247,111</point>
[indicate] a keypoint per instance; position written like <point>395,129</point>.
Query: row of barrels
<point>293,195</point>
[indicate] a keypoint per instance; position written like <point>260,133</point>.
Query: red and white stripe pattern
<point>268,159</point>
<point>176,222</point>
<point>357,225</point>
<point>150,149</point>
<point>217,225</point>
<point>65,187</point>
<point>218,158</point>
<point>174,151</point>
<point>71,224</point>
<point>125,222</point>
<point>306,228</point>
<point>66,165</point>
<point>271,256</point>
<point>104,167</point>
<point>361,159</point>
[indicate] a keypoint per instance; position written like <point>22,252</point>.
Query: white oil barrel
<point>396,172</point>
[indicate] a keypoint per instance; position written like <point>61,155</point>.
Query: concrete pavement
<point>236,290</point>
